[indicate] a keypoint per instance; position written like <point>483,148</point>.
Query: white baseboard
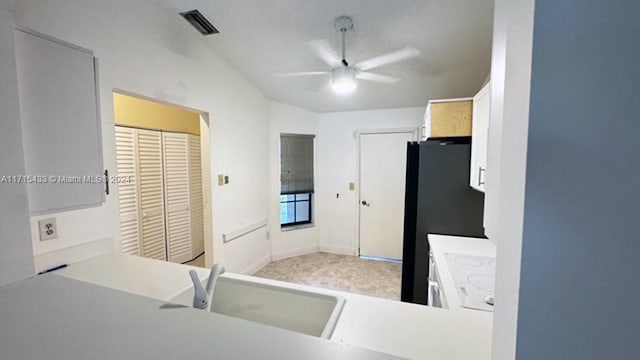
<point>294,252</point>
<point>257,266</point>
<point>338,250</point>
<point>73,254</point>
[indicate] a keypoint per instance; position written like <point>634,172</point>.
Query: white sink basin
<point>305,312</point>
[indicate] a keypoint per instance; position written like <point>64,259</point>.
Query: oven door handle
<point>434,294</point>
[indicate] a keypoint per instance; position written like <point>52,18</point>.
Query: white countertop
<point>392,327</point>
<point>56,318</point>
<point>136,275</point>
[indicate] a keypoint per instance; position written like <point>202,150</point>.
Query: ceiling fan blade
<point>388,58</point>
<point>305,73</point>
<point>364,75</point>
<point>324,51</point>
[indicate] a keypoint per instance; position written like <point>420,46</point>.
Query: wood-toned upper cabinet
<point>479,139</point>
<point>450,118</point>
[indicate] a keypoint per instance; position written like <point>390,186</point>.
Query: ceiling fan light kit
<point>343,80</point>
<point>344,77</point>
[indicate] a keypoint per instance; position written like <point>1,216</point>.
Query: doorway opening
<point>163,161</point>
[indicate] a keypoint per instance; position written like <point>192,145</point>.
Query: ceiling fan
<point>344,76</point>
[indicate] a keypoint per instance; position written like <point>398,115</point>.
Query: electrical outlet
<point>48,229</point>
<point>226,179</point>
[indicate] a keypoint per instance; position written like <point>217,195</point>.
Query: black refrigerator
<point>438,200</point>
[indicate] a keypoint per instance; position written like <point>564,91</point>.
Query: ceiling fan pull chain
<point>344,47</point>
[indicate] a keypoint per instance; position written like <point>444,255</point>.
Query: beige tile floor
<point>338,272</point>
<point>334,272</point>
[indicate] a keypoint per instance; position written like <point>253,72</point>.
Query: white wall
<point>579,281</point>
<point>335,219</point>
<point>16,259</point>
<point>506,161</point>
<point>337,167</point>
<point>289,119</point>
<point>144,51</point>
<point>569,173</point>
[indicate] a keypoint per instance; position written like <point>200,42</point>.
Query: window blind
<point>296,164</point>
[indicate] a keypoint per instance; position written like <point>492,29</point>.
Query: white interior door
<point>196,196</point>
<point>176,179</point>
<point>129,197</point>
<point>382,190</point>
<point>151,190</point>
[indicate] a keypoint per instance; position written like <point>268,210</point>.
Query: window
<point>295,209</point>
<point>296,179</point>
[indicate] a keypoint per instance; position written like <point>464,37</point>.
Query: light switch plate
<point>226,179</point>
<point>220,180</point>
<point>352,186</point>
<point>48,229</point>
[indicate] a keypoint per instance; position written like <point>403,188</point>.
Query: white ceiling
<point>263,37</point>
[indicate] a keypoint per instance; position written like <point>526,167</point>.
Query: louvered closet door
<point>196,199</point>
<point>151,190</point>
<point>176,175</point>
<point>128,192</point>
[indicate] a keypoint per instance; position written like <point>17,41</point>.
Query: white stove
<point>474,278</point>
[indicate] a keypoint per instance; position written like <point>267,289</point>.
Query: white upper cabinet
<point>479,139</point>
<point>61,128</point>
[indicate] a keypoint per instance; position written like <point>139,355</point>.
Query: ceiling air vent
<point>195,18</point>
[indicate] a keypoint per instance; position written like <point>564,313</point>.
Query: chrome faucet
<point>202,296</point>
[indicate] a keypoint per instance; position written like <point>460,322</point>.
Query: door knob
<point>365,203</point>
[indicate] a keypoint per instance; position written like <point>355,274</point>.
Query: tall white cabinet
<point>479,139</point>
<point>161,211</point>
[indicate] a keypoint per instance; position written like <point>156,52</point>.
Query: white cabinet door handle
<point>480,178</point>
